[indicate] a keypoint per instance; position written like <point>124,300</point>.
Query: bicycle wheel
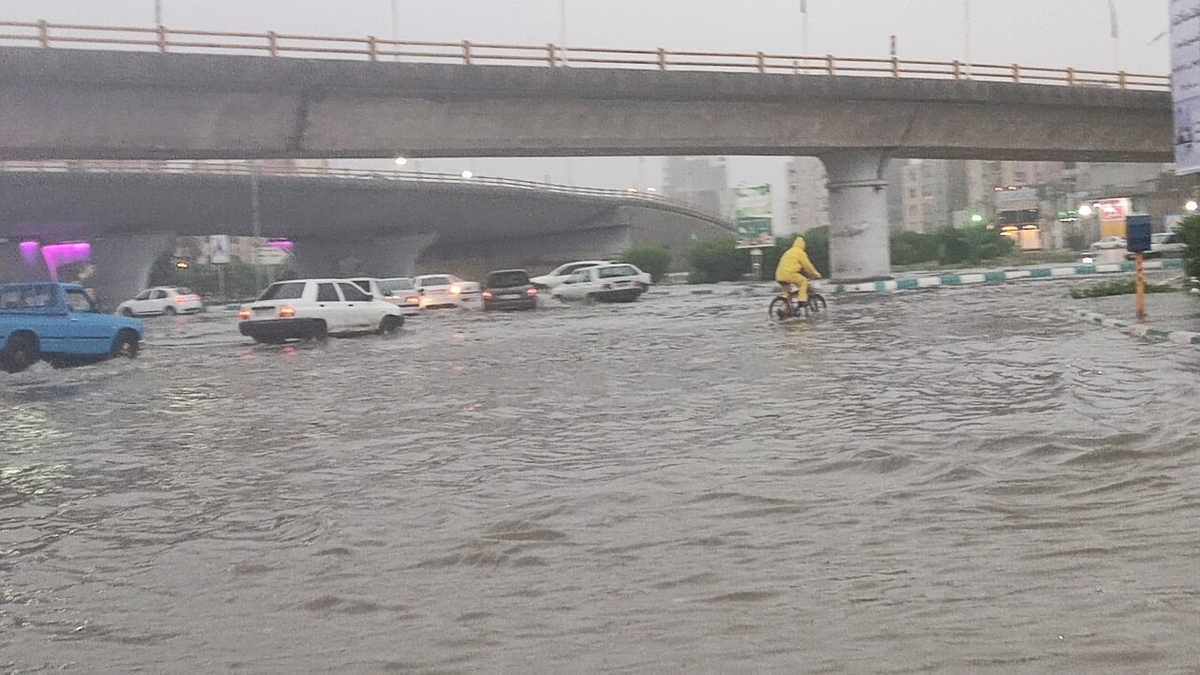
<point>816,303</point>
<point>779,309</point>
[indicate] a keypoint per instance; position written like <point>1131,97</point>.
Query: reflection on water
<point>941,482</point>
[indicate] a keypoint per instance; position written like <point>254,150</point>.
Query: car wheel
<point>168,311</point>
<point>320,331</point>
<point>22,351</point>
<point>125,345</point>
<point>125,311</point>
<point>390,324</point>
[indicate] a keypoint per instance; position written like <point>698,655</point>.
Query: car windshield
<point>439,280</point>
<point>184,290</point>
<point>393,285</point>
<point>287,290</point>
<point>507,279</point>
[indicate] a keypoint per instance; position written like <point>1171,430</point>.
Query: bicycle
<point>815,305</point>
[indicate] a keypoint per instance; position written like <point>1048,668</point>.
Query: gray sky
<point>1055,33</point>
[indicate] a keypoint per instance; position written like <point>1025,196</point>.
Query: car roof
<point>512,271</point>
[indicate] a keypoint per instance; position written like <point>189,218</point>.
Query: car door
<point>331,308</point>
<point>360,311</point>
<point>88,332</point>
<point>158,302</point>
<point>140,302</point>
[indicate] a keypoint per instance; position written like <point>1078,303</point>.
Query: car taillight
<point>455,289</point>
<point>287,311</point>
<point>244,313</point>
<point>181,299</point>
<point>531,291</point>
<point>487,295</point>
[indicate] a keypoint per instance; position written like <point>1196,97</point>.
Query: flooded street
<point>964,480</point>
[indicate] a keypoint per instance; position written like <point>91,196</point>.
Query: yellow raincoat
<point>793,265</point>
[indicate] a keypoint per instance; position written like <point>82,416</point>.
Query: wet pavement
<point>945,481</point>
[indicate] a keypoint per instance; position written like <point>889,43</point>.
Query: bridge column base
<point>387,256</point>
<point>122,264</point>
<point>22,263</point>
<point>858,232</point>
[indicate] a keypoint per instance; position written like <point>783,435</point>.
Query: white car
<point>400,291</point>
<point>559,274</point>
<point>164,300</point>
<point>302,309</point>
<point>445,290</point>
<point>1109,242</point>
<point>610,282</point>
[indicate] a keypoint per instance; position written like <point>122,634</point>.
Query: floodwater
<point>955,481</point>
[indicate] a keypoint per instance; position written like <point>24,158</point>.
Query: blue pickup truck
<point>61,324</point>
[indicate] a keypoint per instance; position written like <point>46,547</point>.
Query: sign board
<point>1185,83</point>
<point>1137,233</point>
<point>1014,200</point>
<point>1172,221</point>
<point>1112,209</point>
<point>270,255</point>
<point>219,249</point>
<point>752,213</point>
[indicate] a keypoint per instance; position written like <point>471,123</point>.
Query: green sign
<point>752,213</point>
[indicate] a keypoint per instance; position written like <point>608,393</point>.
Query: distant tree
<point>1188,232</point>
<point>655,260</point>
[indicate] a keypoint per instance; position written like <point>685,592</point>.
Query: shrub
<point>1117,287</point>
<point>717,260</point>
<point>656,260</point>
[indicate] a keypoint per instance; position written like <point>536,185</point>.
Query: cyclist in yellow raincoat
<point>793,265</point>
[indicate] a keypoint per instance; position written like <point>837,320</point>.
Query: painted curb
<point>1182,337</point>
<point>998,276</point>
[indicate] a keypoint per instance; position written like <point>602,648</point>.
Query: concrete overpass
<point>107,104</point>
<point>384,220</point>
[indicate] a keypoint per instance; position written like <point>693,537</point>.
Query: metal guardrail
<point>243,168</point>
<point>271,43</point>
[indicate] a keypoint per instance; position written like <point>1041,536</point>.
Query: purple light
<point>29,252</point>
<point>57,255</point>
<point>282,243</point>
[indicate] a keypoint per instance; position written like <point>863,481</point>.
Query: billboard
<point>752,213</point>
<point>219,249</point>
<point>1185,83</point>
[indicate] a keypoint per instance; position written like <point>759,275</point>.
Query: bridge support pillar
<point>122,264</point>
<point>22,262</point>
<point>387,256</point>
<point>858,231</point>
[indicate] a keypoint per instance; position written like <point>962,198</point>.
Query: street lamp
<point>467,173</point>
<point>1084,210</point>
<point>1191,205</point>
<point>401,161</point>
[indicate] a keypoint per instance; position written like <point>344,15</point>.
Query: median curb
<point>1139,330</point>
<point>999,276</point>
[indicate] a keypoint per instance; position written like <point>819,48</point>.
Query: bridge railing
<point>268,168</point>
<point>271,43</point>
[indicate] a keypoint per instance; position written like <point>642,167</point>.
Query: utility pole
<point>967,35</point>
<point>804,27</point>
<point>562,29</point>
<point>158,13</point>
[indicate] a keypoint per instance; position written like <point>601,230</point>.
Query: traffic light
<point>181,264</point>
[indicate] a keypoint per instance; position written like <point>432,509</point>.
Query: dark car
<point>509,289</point>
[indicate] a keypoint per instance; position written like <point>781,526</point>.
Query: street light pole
<point>157,12</point>
<point>256,222</point>
<point>967,35</point>
<point>395,31</point>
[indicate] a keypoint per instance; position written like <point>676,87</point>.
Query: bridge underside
<point>377,226</point>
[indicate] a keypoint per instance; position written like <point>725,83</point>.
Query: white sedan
<point>446,290</point>
<point>164,300</point>
<point>1109,242</point>
<point>559,274</point>
<point>610,282</point>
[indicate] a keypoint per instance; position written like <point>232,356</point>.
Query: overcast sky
<point>1057,33</point>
